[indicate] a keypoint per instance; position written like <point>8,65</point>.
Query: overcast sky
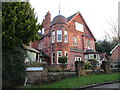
<point>97,13</point>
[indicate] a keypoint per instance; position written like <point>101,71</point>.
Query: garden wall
<point>36,75</point>
<point>55,76</point>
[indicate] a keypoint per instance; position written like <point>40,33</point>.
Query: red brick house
<point>69,37</point>
<point>115,53</point>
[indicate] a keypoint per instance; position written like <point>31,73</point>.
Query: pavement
<point>114,85</point>
<point>102,86</point>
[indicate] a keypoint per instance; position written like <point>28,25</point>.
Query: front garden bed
<point>76,82</point>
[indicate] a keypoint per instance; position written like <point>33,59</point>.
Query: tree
<point>18,24</point>
<point>114,34</point>
<point>104,46</point>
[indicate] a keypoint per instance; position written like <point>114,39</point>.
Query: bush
<point>88,65</point>
<point>13,66</point>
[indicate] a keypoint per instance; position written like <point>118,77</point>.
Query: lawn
<point>76,82</point>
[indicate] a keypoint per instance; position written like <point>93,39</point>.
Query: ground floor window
<point>53,57</point>
<point>59,54</point>
<point>78,59</point>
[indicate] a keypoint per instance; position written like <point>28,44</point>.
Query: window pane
<point>75,41</point>
<point>66,36</point>
<point>59,54</point>
<point>53,57</point>
<point>53,36</point>
<point>59,35</point>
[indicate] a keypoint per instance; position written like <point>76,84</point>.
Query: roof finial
<point>59,7</point>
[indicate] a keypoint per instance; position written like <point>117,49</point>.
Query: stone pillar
<point>106,67</point>
<point>80,68</point>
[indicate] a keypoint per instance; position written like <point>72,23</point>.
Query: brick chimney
<point>47,23</point>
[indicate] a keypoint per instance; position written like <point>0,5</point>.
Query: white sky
<point>97,13</point>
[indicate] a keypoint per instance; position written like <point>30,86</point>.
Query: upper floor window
<point>79,26</point>
<point>75,41</point>
<point>59,35</point>
<point>66,36</point>
<point>53,36</point>
<point>89,44</point>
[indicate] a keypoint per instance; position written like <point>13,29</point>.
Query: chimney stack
<point>47,23</point>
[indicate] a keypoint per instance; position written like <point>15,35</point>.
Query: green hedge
<point>13,66</point>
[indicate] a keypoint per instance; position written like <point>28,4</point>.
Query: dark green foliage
<point>62,59</point>
<point>13,71</point>
<point>104,46</point>
<point>88,65</point>
<point>18,24</point>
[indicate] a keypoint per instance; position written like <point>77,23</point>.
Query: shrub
<point>88,65</point>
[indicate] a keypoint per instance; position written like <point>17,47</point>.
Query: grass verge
<point>76,82</point>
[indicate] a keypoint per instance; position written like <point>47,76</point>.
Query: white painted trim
<point>115,48</point>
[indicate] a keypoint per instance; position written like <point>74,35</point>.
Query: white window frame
<point>66,36</point>
<point>52,57</point>
<point>77,59</point>
<point>79,27</point>
<point>58,56</point>
<point>74,41</point>
<point>89,44</point>
<point>59,32</point>
<point>53,36</point>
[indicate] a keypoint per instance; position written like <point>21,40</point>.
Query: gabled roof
<point>70,18</point>
<point>115,48</point>
<point>30,49</point>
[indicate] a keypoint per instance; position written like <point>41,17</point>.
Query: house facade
<point>115,53</point>
<point>69,37</point>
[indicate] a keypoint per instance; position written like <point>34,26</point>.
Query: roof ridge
<point>70,17</point>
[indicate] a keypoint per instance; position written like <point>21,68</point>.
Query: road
<point>114,86</point>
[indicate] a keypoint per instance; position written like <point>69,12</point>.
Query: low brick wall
<point>36,77</point>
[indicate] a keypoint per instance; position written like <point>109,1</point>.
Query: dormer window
<point>59,35</point>
<point>79,27</point>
